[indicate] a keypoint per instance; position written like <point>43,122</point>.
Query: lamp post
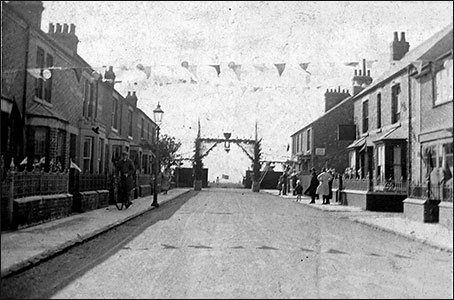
<point>157,112</point>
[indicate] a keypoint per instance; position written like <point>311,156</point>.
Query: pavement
<point>23,248</point>
<point>432,234</point>
<point>26,247</point>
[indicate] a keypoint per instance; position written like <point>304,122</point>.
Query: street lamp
<point>157,112</point>
<point>227,136</point>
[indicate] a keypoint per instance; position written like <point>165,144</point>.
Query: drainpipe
<point>24,97</point>
<point>409,156</point>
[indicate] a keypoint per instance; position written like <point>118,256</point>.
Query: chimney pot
<point>339,89</point>
<point>65,28</point>
<point>72,29</point>
<point>58,28</point>
<point>356,72</point>
<point>368,73</point>
<point>51,28</point>
<point>402,36</point>
<point>396,37</point>
<point>360,73</point>
<point>364,67</point>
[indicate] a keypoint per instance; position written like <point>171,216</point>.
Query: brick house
<point>382,114</point>
<point>56,109</point>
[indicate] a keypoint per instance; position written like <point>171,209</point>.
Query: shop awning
<point>394,134</point>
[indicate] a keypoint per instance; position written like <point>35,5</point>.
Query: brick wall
<point>38,209</point>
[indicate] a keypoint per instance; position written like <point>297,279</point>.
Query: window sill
<point>43,102</point>
<point>114,130</point>
<point>436,105</point>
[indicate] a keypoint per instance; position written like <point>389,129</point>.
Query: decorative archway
<point>250,147</point>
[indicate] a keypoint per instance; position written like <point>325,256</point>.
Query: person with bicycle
<point>126,171</point>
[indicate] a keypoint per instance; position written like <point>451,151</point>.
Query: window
<point>308,140</point>
<point>145,164</point>
<point>443,83</point>
<point>100,155</point>
<point>90,99</point>
<point>39,82</point>
<point>115,113</point>
<point>88,155</point>
<point>60,161</point>
<point>142,129</point>
<point>130,121</point>
<point>40,143</point>
<point>381,163</point>
<point>365,116</point>
<point>148,131</point>
<point>379,110</point>
<point>352,159</point>
<point>395,104</point>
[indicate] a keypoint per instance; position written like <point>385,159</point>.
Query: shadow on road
<point>52,275</point>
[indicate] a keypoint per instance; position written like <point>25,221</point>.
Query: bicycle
<point>122,199</point>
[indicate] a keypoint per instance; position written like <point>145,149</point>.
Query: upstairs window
<point>378,110</point>
<point>142,129</point>
<point>395,104</point>
<point>130,122</point>
<point>443,83</point>
<point>48,83</point>
<point>308,146</point>
<point>39,82</point>
<point>90,102</point>
<point>115,113</point>
<point>365,116</point>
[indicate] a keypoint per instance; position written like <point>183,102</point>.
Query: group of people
<point>320,185</point>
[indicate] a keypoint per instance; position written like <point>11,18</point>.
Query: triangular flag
<point>36,72</point>
<point>280,68</point>
<point>236,68</point>
<point>304,67</point>
<point>369,63</point>
<point>243,88</point>
<point>260,67</point>
<point>352,64</point>
<point>218,68</point>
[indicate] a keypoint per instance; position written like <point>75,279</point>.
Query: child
<point>298,190</point>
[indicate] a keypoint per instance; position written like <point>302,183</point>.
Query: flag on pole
<point>74,166</point>
<point>224,176</point>
<point>24,161</point>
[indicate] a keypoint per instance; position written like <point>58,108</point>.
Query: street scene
<point>237,149</point>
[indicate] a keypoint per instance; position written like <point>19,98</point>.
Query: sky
<point>146,43</point>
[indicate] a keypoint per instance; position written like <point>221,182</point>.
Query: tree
<point>168,148</point>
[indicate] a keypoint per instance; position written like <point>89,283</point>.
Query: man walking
<point>126,170</point>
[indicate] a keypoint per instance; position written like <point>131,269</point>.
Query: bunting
<point>280,68</point>
<point>304,67</point>
<point>217,68</point>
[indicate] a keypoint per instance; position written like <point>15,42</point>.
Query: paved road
<point>221,243</point>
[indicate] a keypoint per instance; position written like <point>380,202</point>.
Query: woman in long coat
<point>323,188</point>
<point>165,183</point>
<point>312,189</point>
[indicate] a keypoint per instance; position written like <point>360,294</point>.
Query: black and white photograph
<point>226,150</point>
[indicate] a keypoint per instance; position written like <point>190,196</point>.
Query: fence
<point>24,184</point>
<point>436,192</point>
<point>143,179</point>
<point>92,182</point>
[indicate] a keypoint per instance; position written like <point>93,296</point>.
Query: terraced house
<point>400,158</point>
<point>58,112</point>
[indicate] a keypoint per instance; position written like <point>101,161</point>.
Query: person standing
<point>165,182</point>
<point>323,188</point>
<point>280,183</point>
<point>330,186</point>
<point>126,170</point>
<point>312,189</point>
<point>298,190</point>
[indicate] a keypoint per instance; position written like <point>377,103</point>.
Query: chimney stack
<point>334,97</point>
<point>399,48</point>
<point>361,80</point>
<point>66,37</point>
<point>31,11</point>
<point>109,76</point>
